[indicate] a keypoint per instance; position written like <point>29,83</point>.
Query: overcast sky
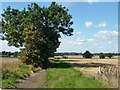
<point>95,26</point>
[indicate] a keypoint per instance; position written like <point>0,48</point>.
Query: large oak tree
<point>36,28</point>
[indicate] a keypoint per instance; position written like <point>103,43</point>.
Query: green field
<point>62,75</point>
<point>59,75</point>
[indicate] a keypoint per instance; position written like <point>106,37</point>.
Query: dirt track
<point>35,81</point>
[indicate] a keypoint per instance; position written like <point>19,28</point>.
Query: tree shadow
<point>71,60</point>
<point>59,64</point>
<point>89,64</point>
<point>63,64</point>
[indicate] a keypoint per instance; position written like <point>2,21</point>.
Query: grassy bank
<point>11,75</point>
<point>62,75</point>
<point>13,70</point>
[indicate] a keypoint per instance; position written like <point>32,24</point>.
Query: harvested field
<point>90,67</point>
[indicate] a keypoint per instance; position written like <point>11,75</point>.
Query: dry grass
<point>9,63</point>
<point>81,57</point>
<point>90,67</point>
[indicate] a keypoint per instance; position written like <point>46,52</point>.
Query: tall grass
<point>13,70</point>
<point>11,63</point>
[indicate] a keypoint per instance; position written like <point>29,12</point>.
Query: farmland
<point>52,45</point>
<point>88,68</point>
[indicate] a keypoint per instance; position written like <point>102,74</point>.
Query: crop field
<point>90,67</point>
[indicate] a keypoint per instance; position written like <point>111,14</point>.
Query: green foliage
<point>62,75</point>
<point>9,54</point>
<point>37,28</point>
<point>16,54</point>
<point>11,75</point>
<point>87,54</point>
<point>109,55</point>
<point>35,69</point>
<point>65,57</point>
<point>102,55</point>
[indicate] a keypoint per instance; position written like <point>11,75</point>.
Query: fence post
<point>99,70</point>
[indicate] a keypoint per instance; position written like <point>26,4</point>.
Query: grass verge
<point>62,75</point>
<point>11,75</point>
<point>13,70</point>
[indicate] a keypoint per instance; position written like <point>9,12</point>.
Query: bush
<point>109,55</point>
<point>65,57</point>
<point>35,69</point>
<point>102,55</point>
<point>87,54</point>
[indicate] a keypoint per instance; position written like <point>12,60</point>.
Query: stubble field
<point>91,67</point>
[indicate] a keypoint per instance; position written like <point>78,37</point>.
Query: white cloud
<point>109,42</point>
<point>81,44</point>
<point>79,32</point>
<point>90,40</point>
<point>106,34</point>
<point>77,41</point>
<point>102,24</point>
<point>91,1</point>
<point>80,40</point>
<point>88,24</point>
<point>4,46</point>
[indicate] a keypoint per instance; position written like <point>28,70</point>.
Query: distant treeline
<point>15,54</point>
<point>74,53</point>
<point>8,54</point>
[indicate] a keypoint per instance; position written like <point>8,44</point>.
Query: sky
<point>95,26</point>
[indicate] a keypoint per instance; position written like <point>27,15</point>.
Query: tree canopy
<point>87,54</point>
<point>102,55</point>
<point>36,28</point>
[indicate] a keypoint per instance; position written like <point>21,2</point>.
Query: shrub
<point>87,54</point>
<point>65,57</point>
<point>35,69</point>
<point>102,55</point>
<point>109,55</point>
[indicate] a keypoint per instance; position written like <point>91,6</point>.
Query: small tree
<point>109,55</point>
<point>65,57</point>
<point>87,54</point>
<point>3,53</point>
<point>9,54</point>
<point>15,54</point>
<point>102,55</point>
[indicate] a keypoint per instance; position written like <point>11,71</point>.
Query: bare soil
<point>37,80</point>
